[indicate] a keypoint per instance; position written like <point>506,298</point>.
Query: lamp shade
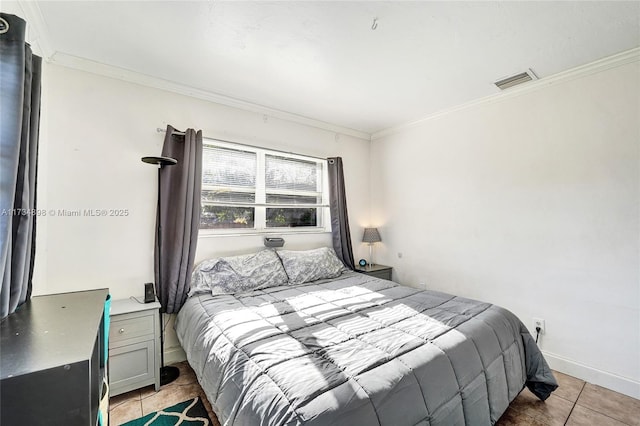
<point>371,235</point>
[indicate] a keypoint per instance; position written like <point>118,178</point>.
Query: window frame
<point>260,206</point>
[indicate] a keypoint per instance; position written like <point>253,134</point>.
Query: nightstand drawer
<point>385,275</point>
<point>130,328</point>
<point>132,366</point>
<point>378,271</point>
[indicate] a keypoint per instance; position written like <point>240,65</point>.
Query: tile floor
<point>138,403</point>
<point>574,403</point>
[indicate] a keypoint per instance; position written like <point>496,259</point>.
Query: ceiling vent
<point>515,80</point>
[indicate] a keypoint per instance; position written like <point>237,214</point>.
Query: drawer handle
<point>121,331</point>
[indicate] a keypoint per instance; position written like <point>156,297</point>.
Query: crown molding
<point>600,65</point>
<point>37,27</point>
<point>41,37</point>
<point>82,64</point>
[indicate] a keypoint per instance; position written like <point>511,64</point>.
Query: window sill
<point>283,231</point>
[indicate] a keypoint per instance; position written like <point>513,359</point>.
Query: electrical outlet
<point>422,284</point>
<point>538,322</point>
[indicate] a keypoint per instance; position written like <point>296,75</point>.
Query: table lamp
<point>371,236</point>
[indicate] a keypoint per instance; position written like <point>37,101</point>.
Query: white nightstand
<point>134,346</point>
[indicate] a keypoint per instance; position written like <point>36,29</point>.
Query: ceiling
<point>323,60</point>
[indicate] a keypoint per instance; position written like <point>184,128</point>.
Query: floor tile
<point>582,416</point>
<point>148,391</point>
<point>114,401</point>
<point>612,404</point>
<point>569,387</point>
<point>512,417</point>
<point>553,411</point>
<point>187,375</point>
<point>169,395</point>
<point>125,412</point>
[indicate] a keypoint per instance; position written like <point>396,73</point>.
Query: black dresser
<point>53,360</point>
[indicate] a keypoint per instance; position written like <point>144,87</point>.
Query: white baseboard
<point>173,355</point>
<point>605,379</point>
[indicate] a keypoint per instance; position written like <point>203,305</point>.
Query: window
<point>253,189</point>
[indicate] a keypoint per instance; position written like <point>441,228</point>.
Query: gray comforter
<point>358,350</point>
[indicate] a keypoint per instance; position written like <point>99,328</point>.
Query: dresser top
<point>50,331</point>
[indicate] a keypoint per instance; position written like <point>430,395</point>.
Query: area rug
<point>187,413</point>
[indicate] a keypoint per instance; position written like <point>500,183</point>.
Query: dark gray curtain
<point>178,217</point>
<point>339,216</point>
<point>20,73</point>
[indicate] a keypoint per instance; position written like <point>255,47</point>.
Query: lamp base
<point>168,374</point>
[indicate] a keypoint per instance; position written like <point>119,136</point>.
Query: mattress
<point>358,350</point>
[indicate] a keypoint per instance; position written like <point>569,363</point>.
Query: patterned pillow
<point>310,265</point>
<point>236,274</point>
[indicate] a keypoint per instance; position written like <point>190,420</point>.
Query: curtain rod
<point>177,133</point>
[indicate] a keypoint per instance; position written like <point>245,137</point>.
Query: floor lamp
<point>167,373</point>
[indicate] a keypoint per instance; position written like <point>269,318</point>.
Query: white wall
<point>96,131</point>
<point>530,202</point>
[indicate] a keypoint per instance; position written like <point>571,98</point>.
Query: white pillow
<point>310,265</point>
<point>236,274</point>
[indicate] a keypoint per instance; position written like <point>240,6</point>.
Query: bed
<point>349,349</point>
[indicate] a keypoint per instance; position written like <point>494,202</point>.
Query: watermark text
<point>66,212</point>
